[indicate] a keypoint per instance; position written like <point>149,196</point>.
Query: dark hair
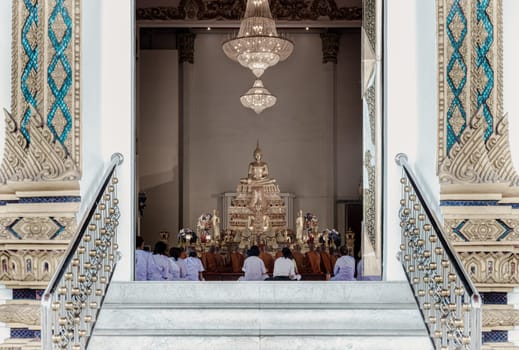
<point>160,248</point>
<point>344,250</point>
<point>254,251</point>
<point>174,252</point>
<point>286,253</point>
<point>139,241</point>
<point>193,254</point>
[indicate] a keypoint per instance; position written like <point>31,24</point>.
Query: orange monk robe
<point>220,263</point>
<point>268,260</point>
<point>237,262</point>
<point>314,260</point>
<point>279,254</point>
<point>299,258</point>
<point>204,260</point>
<point>326,263</point>
<point>210,265</point>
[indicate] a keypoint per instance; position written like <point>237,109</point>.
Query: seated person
<point>237,261</point>
<point>314,259</point>
<point>253,266</point>
<point>344,268</point>
<point>285,267</point>
<point>268,260</point>
<point>174,254</point>
<point>160,268</point>
<point>194,267</point>
<point>210,260</point>
<point>326,265</point>
<point>220,261</point>
<point>141,260</point>
<point>299,258</point>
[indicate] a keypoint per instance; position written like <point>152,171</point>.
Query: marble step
<point>260,315</point>
<point>261,343</point>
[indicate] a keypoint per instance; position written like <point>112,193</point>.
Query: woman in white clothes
<point>160,268</point>
<point>174,254</point>
<point>194,267</point>
<point>285,267</point>
<point>253,266</point>
<point>344,269</point>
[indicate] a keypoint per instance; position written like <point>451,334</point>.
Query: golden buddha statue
<point>258,210</point>
<point>258,173</point>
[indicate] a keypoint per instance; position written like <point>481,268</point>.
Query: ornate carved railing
<point>449,302</point>
<point>75,294</point>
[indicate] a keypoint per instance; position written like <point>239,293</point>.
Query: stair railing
<point>447,298</point>
<point>75,294</point>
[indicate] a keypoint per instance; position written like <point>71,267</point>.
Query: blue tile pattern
<point>26,293</point>
<point>61,228</point>
<point>507,229</point>
<point>61,199</point>
<point>495,337</point>
<point>457,230</point>
<point>25,333</point>
<point>469,203</point>
<point>456,61</point>
<point>494,298</point>
<point>11,229</point>
<point>30,69</point>
<point>60,58</point>
<point>482,62</point>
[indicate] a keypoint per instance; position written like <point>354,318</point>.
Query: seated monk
<point>220,262</point>
<point>279,254</point>
<point>314,259</point>
<point>210,260</point>
<point>237,260</point>
<point>325,261</point>
<point>299,258</point>
<point>268,260</point>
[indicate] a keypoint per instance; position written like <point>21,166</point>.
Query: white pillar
<point>410,109</point>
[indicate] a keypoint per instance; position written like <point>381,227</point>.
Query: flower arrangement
<point>187,235</point>
<point>311,223</point>
<point>334,236</point>
<point>204,222</point>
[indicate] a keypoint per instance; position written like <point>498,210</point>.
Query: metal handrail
<point>76,291</point>
<point>441,284</point>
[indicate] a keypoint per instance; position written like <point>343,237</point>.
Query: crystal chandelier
<point>258,98</point>
<point>258,45</point>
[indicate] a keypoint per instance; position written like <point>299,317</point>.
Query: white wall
<point>158,142</point>
<point>410,91</point>
<point>107,102</point>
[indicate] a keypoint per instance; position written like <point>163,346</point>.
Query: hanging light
<point>258,45</point>
<point>258,98</point>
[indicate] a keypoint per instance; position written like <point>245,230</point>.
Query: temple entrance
<point>194,140</point>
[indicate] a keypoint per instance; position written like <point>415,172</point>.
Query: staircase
<point>260,315</point>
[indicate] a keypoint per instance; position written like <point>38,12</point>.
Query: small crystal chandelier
<point>258,98</point>
<point>258,45</point>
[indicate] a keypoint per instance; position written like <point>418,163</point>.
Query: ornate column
<point>41,166</point>
<point>479,186</point>
<point>330,44</point>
